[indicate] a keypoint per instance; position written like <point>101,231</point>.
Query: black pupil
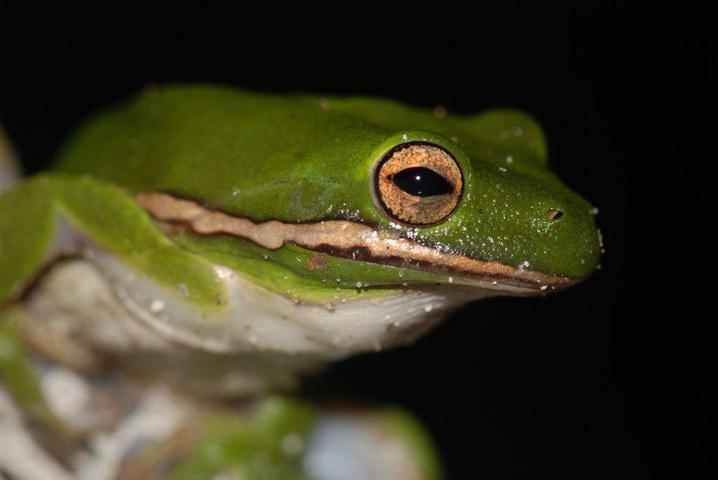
<point>422,182</point>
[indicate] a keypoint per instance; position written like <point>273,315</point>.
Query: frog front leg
<point>33,440</point>
<point>44,221</point>
<point>58,425</point>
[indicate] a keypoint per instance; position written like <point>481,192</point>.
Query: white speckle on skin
<point>395,226</point>
<point>157,306</point>
<point>223,273</point>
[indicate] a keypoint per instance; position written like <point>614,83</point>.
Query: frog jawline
<point>347,239</point>
<point>262,323</point>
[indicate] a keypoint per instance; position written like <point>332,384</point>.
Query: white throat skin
<point>260,341</point>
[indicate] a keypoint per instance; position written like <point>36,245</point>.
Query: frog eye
<point>418,184</point>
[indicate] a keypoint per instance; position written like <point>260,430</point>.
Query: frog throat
<point>346,239</point>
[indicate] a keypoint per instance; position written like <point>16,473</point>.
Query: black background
<point>585,384</point>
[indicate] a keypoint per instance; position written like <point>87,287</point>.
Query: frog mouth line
<point>347,239</point>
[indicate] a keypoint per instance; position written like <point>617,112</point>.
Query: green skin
<point>293,159</point>
<point>296,159</point>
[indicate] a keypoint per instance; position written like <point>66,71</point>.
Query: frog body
<point>227,242</point>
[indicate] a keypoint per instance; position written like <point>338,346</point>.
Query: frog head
<point>447,199</point>
<point>361,220</point>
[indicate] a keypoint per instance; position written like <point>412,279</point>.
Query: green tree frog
<point>223,243</point>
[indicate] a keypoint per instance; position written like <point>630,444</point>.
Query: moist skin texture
<point>102,286</point>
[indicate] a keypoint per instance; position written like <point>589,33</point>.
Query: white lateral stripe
<point>340,235</point>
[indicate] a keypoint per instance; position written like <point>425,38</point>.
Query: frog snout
<point>571,243</point>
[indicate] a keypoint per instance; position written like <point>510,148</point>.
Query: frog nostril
<point>555,214</point>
